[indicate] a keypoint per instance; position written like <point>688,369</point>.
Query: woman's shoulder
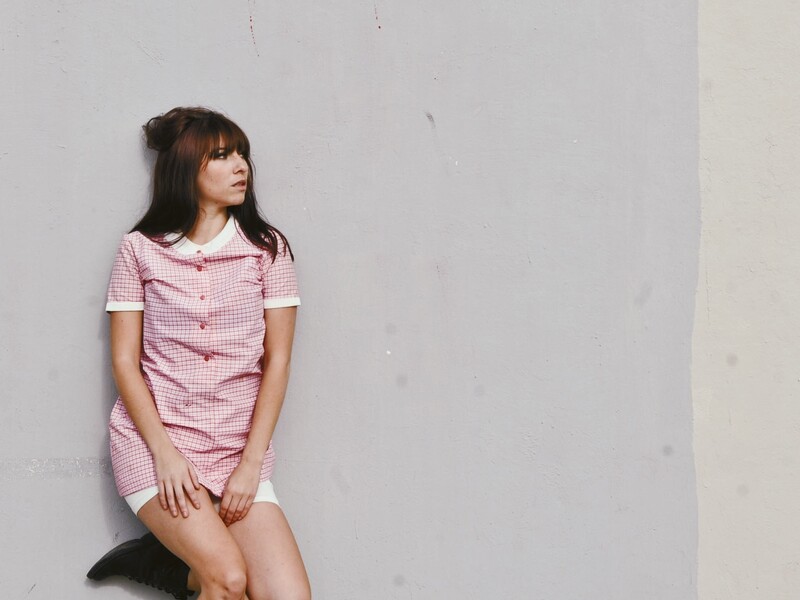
<point>141,247</point>
<point>140,240</point>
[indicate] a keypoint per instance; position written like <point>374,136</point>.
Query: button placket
<point>204,348</point>
<point>201,260</point>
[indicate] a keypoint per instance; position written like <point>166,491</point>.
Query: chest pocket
<point>239,295</point>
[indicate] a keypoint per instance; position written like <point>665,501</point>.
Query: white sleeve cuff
<point>281,302</point>
<point>120,306</point>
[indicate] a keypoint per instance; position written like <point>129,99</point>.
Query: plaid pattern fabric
<point>202,348</point>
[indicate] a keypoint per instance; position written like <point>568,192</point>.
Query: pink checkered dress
<point>202,348</point>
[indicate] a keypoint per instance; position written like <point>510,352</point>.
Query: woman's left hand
<point>240,490</point>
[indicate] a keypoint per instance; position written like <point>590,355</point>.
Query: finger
<point>247,506</point>
<point>244,506</point>
<point>181,500</point>
<point>192,493</point>
<point>237,511</point>
<point>195,480</point>
<point>223,507</point>
<point>162,495</point>
<point>230,516</point>
<point>173,509</point>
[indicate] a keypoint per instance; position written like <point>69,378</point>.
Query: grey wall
<point>494,207</point>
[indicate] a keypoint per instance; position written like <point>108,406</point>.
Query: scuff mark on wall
<point>251,4</point>
<point>375,7</point>
<point>159,60</point>
<point>53,468</point>
<point>448,158</point>
<point>430,120</point>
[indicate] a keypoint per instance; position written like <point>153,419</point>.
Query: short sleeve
<point>279,280</point>
<point>125,290</point>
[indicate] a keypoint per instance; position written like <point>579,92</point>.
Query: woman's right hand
<point>177,480</point>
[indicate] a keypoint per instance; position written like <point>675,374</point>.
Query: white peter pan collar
<point>187,246</point>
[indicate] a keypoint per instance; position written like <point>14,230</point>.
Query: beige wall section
<point>746,365</point>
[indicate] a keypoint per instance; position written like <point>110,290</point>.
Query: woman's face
<point>222,181</point>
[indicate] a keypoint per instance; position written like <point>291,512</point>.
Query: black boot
<point>147,561</point>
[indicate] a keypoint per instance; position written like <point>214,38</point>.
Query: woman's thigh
<point>275,569</point>
<point>201,540</point>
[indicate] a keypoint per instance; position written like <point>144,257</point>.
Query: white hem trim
<point>186,246</point>
<point>281,302</point>
<point>120,306</point>
<point>264,493</point>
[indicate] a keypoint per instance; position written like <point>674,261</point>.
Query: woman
<point>202,302</point>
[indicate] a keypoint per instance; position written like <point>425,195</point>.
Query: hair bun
<point>161,132</point>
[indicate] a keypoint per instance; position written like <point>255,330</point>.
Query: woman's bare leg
<point>275,569</point>
<point>204,543</point>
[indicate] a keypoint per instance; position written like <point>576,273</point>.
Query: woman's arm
<point>243,482</point>
<point>175,474</point>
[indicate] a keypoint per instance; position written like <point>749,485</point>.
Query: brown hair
<point>184,139</point>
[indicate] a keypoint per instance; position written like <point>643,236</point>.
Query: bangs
<point>224,133</point>
<point>205,136</point>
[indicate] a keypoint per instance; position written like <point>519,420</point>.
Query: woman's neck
<point>207,226</point>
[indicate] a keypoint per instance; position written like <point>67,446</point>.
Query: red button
<point>206,358</point>
<point>199,267</point>
<point>202,296</point>
<point>202,325</point>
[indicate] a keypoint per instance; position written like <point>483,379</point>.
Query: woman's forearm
<point>140,406</point>
<point>274,379</point>
<point>269,402</point>
<point>126,344</point>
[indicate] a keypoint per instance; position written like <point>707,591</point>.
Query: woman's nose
<point>241,163</point>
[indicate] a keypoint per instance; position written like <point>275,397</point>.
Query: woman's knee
<point>226,580</point>
<point>299,591</point>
